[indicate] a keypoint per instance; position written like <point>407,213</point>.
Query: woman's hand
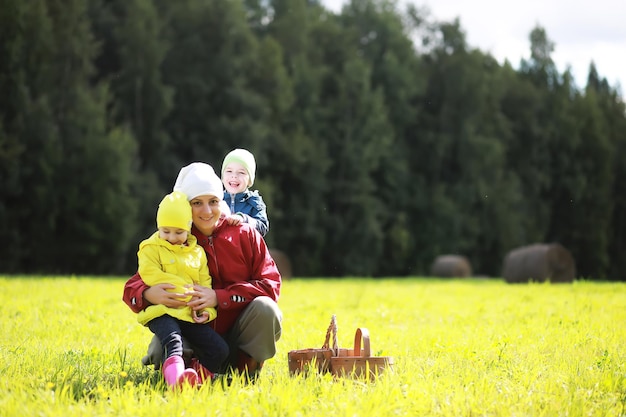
<point>202,297</point>
<point>200,316</point>
<point>158,294</point>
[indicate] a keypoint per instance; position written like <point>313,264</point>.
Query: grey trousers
<point>255,332</point>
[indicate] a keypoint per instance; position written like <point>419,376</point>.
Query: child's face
<point>235,178</point>
<point>174,235</point>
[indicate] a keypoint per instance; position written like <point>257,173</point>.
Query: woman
<point>246,281</point>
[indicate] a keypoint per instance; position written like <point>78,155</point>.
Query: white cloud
<point>582,31</point>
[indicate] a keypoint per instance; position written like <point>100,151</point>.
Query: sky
<point>582,31</point>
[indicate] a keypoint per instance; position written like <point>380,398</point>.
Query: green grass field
<point>71,347</point>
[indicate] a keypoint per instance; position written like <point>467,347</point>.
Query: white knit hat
<point>198,179</point>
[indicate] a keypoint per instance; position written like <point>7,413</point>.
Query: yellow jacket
<point>160,262</point>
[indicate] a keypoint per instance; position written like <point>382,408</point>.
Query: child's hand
<point>200,316</point>
<point>235,219</point>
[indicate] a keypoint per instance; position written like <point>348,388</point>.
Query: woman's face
<point>205,212</point>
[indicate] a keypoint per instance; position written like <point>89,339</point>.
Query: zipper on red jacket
<point>214,254</point>
<point>214,322</point>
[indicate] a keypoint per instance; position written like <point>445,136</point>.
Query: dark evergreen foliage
<point>382,138</point>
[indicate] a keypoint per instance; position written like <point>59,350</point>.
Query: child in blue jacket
<point>246,206</point>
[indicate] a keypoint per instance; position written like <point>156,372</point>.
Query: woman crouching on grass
<point>246,281</point>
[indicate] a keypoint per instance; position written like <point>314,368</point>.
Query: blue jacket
<point>250,205</point>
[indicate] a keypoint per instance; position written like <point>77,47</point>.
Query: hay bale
<point>282,263</point>
<point>450,266</point>
<point>539,262</point>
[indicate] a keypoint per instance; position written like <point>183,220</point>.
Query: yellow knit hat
<point>174,211</point>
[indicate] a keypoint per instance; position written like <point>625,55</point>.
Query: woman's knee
<point>265,307</point>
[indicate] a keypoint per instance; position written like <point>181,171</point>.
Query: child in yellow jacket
<point>172,256</point>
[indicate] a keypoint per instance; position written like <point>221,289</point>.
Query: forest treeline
<point>382,138</point>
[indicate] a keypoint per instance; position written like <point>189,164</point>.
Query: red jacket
<point>240,265</point>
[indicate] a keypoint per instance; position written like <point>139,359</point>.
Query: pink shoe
<point>190,377</point>
<point>176,375</point>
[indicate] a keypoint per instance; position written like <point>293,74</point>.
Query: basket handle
<point>362,333</point>
<point>332,328</point>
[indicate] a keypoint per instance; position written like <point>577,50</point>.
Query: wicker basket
<point>355,363</point>
<point>305,360</point>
